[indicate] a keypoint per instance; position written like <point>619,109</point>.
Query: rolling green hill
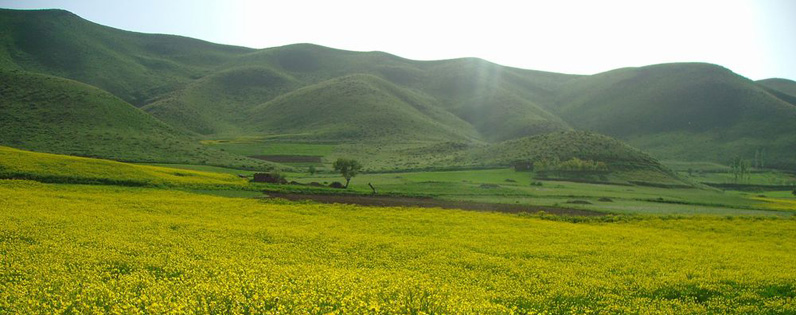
<point>567,145</point>
<point>51,114</point>
<point>501,103</point>
<point>783,85</point>
<point>217,104</point>
<point>622,163</point>
<point>305,92</point>
<point>782,88</point>
<point>683,112</point>
<point>210,89</point>
<point>135,67</point>
<point>359,108</point>
<point>462,95</point>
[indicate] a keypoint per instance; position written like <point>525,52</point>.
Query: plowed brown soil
<point>394,201</point>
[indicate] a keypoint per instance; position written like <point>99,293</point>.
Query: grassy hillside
<point>567,145</point>
<point>691,112</point>
<point>355,108</point>
<point>683,111</point>
<point>463,95</point>
<point>494,100</point>
<point>54,168</point>
<point>623,164</point>
<point>784,89</point>
<point>783,85</point>
<point>135,67</point>
<point>51,114</point>
<point>501,103</point>
<point>218,104</point>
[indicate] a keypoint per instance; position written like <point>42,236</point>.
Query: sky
<point>754,38</point>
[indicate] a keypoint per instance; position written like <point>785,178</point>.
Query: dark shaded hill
<point>567,145</point>
<point>683,112</point>
<point>782,85</point>
<point>50,114</point>
<point>135,67</point>
<point>782,88</point>
<point>623,164</point>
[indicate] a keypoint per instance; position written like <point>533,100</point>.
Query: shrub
<point>274,178</point>
<point>336,185</point>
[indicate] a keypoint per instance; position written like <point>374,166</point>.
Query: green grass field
<point>771,178</point>
<point>624,164</point>
<point>515,188</point>
<point>491,185</point>
<point>252,146</point>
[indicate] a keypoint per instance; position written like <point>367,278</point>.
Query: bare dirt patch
<point>395,201</point>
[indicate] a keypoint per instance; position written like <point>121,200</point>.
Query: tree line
<point>556,165</point>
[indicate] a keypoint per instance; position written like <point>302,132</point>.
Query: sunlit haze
<point>756,39</point>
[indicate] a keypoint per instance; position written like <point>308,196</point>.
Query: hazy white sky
<point>755,38</point>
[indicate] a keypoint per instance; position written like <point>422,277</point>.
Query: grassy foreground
<point>72,248</point>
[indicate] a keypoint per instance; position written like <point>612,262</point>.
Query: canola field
<point>111,249</point>
<point>56,168</point>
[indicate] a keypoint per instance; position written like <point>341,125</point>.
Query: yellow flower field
<point>777,203</point>
<point>105,249</point>
<point>58,168</point>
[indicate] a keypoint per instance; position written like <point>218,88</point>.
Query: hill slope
<point>622,163</point>
<point>218,103</point>
<point>675,111</point>
<point>683,111</point>
<point>478,95</point>
<point>356,108</point>
<point>51,114</point>
<point>193,84</point>
<point>500,102</point>
<point>135,67</point>
<point>782,88</point>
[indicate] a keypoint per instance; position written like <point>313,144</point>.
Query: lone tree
<point>348,168</point>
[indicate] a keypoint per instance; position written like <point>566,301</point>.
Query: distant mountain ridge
<point>312,93</point>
